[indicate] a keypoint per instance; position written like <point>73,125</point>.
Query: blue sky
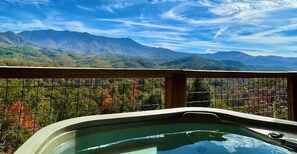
<point>256,27</point>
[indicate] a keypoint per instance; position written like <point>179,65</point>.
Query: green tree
<point>199,93</point>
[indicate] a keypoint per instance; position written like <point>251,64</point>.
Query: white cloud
<point>196,46</point>
<point>267,40</point>
<point>200,46</point>
<point>30,2</point>
<point>206,3</point>
<point>244,12</point>
<point>219,32</point>
<point>161,36</point>
<point>269,37</point>
<point>145,24</point>
<point>80,27</point>
<point>178,12</point>
<point>60,25</point>
<point>110,7</point>
<point>164,1</point>
<point>249,23</point>
<point>277,29</point>
<point>21,26</point>
<point>234,144</point>
<point>167,45</point>
<point>114,6</point>
<point>230,8</point>
<point>172,15</point>
<point>85,8</point>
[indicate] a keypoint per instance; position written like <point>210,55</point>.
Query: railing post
<point>292,97</point>
<point>168,92</point>
<point>175,91</point>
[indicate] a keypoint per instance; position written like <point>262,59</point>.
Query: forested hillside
<point>30,56</point>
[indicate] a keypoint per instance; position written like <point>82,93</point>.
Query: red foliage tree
<point>25,117</point>
<point>107,101</point>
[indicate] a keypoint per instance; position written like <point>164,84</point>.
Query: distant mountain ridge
<point>286,62</point>
<point>143,56</point>
<point>85,43</point>
<point>12,38</point>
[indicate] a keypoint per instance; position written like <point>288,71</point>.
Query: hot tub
<point>180,130</point>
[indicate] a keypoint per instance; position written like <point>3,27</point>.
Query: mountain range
<point>85,43</point>
<point>125,52</point>
<point>266,61</point>
<point>11,38</point>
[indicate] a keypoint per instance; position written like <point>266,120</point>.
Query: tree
<point>199,93</point>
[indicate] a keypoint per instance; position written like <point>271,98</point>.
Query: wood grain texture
<point>54,72</point>
<point>292,97</point>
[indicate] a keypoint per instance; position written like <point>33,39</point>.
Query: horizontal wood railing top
<point>66,72</point>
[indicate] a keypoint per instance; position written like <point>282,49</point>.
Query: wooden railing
<point>23,117</point>
<point>175,80</point>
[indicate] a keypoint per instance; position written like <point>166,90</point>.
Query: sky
<point>256,27</point>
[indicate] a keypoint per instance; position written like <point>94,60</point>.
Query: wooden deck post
<point>175,91</point>
<point>292,97</point>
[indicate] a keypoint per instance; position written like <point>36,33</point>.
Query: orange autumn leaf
<point>25,119</point>
<point>107,99</point>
